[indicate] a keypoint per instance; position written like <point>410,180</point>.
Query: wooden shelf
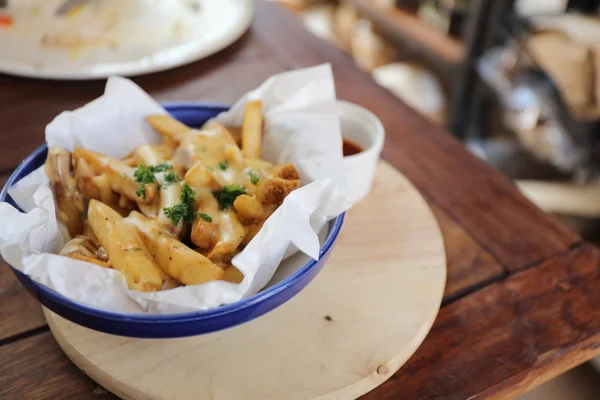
<point>408,28</point>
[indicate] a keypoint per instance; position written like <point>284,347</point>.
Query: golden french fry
<point>81,245</point>
<point>126,250</point>
<point>170,284</point>
<point>83,176</point>
<point>204,233</point>
<point>170,143</point>
<point>119,176</point>
<point>149,210</point>
<point>130,160</point>
<point>258,164</point>
<point>152,154</point>
<point>249,209</point>
<point>85,249</point>
<point>232,274</point>
<point>169,196</point>
<point>230,235</point>
<point>168,127</point>
<point>88,232</point>
<point>252,129</point>
<point>88,259</point>
<point>252,230</point>
<point>174,258</point>
<point>218,128</point>
<point>200,176</point>
<point>236,133</point>
<point>97,188</point>
<point>66,210</point>
<point>233,155</point>
<point>69,201</point>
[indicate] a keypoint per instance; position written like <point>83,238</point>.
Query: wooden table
<point>522,302</point>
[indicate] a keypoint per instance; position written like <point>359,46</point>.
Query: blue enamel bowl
<point>174,325</point>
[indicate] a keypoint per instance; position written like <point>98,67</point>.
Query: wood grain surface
<point>510,336</point>
<point>19,311</point>
<point>36,368</point>
<point>505,256</point>
<point>469,266</point>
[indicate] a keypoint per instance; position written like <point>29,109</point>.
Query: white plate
<point>116,37</point>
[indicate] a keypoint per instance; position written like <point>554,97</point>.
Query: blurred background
<point>517,80</point>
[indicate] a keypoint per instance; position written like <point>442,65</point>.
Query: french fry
<point>200,176</point>
<point>175,258</point>
<point>233,155</point>
<point>218,128</point>
<point>249,209</point>
<point>252,129</point>
<point>84,249</point>
<point>232,274</point>
<point>230,235</point>
<point>88,259</point>
<point>83,176</point>
<point>82,245</point>
<point>105,193</point>
<point>170,284</point>
<point>130,160</point>
<point>168,127</point>
<point>251,231</point>
<point>119,176</point>
<point>126,250</point>
<point>204,233</point>
<point>88,232</point>
<point>169,196</point>
<point>151,154</point>
<point>69,202</point>
<point>149,210</point>
<point>235,191</point>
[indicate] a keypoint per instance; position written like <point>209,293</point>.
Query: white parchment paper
<point>301,126</point>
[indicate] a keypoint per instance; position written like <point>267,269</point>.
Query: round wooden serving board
<point>355,325</point>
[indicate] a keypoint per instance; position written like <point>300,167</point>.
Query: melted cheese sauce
<point>222,158</point>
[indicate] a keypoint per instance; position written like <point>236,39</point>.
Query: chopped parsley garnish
<point>185,209</point>
<point>223,165</point>
<point>170,177</point>
<point>141,192</point>
<point>143,176</point>
<point>211,169</point>
<point>187,195</point>
<point>253,177</point>
<point>176,213</point>
<point>205,217</point>
<point>228,194</point>
<point>162,167</point>
<point>122,175</point>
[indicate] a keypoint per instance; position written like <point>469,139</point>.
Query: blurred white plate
<point>116,37</point>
